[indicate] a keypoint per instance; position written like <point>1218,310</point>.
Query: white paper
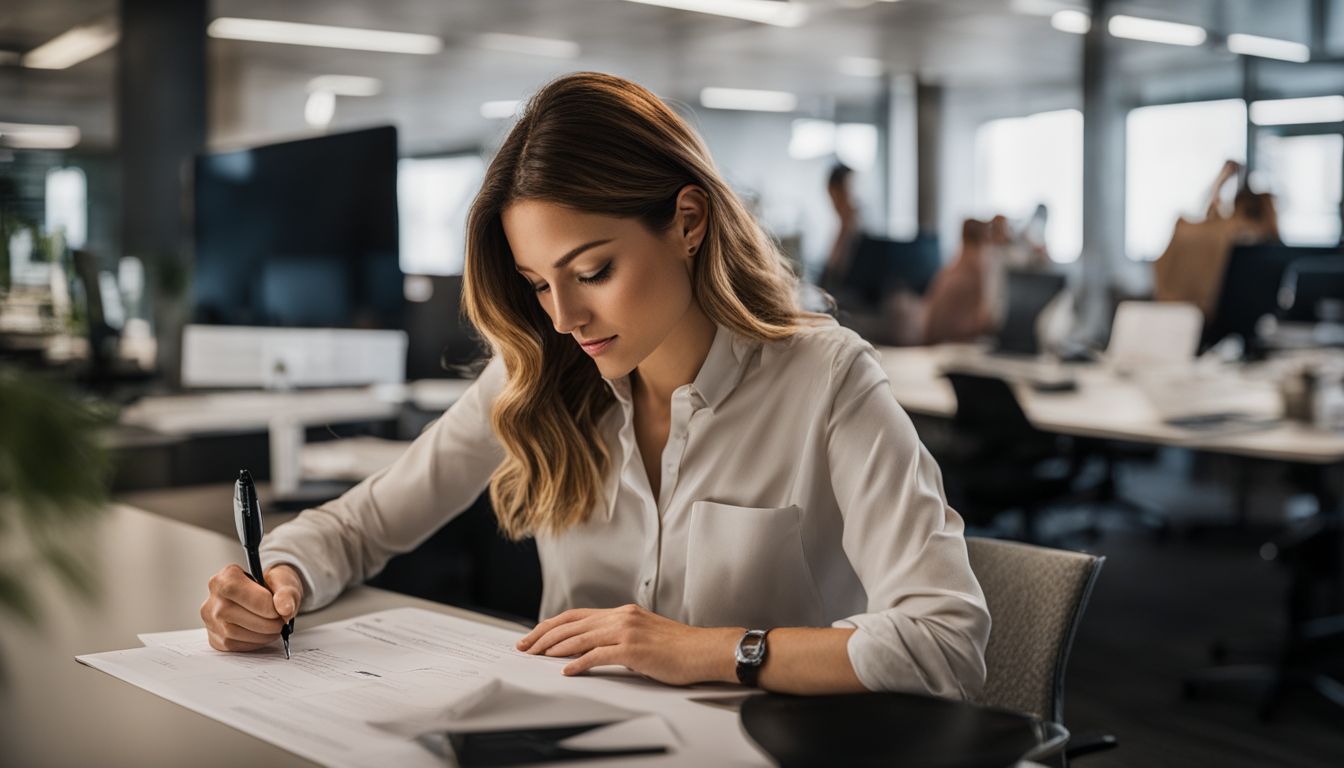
<point>409,666</point>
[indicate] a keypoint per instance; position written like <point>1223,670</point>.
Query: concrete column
<point>928,137</point>
<point>1103,174</point>
<point>161,125</point>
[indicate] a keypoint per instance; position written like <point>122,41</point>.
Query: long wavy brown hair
<point>603,145</point>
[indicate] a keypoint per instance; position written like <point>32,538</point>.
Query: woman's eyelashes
<point>599,276</point>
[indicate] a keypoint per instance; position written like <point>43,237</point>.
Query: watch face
<point>752,648</point>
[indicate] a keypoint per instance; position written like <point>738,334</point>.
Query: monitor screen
<point>302,233</point>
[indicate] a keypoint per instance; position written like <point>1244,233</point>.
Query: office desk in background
<point>1110,407</point>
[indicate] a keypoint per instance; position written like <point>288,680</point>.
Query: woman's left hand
<point>657,647</point>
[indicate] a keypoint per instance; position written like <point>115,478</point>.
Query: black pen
<point>247,516</point>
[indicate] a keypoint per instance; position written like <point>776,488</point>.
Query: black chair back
<point>987,408</point>
<point>1027,293</point>
<point>1250,289</point>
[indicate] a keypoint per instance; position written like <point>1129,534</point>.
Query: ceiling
<point>257,90</point>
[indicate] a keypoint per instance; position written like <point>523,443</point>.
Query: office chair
<point>1250,290</point>
<point>1307,657</point>
<point>1036,598</point>
<point>997,461</point>
<point>1313,290</point>
<point>1027,292</point>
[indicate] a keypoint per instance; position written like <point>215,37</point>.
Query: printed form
<point>381,689</point>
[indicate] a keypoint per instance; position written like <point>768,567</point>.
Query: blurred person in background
<point>1191,268</point>
<point>1011,249</point>
<point>956,308</point>
<point>847,236</point>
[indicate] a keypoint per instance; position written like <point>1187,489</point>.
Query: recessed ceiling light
<point>1268,48</point>
<point>70,48</point>
<point>319,109</point>
<point>346,85</point>
<point>1073,22</point>
<point>746,99</point>
<point>1314,109</point>
<point>1154,31</point>
<point>533,46</point>
<point>779,13</point>
<point>321,36</point>
<point>31,136</point>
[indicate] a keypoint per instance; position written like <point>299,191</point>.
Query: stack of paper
<point>366,691</point>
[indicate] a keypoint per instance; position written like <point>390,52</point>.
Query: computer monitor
<point>1028,292</point>
<point>1250,290</point>
<point>300,234</point>
<point>881,265</point>
<point>1313,290</point>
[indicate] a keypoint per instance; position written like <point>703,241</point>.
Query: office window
<point>854,144</point>
<point>1022,162</point>
<point>433,195</point>
<point>1304,173</point>
<point>67,208</point>
<point>1172,154</point>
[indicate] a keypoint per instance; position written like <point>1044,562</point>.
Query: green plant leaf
<point>16,599</point>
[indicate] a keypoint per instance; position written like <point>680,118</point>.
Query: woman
<point>694,455</point>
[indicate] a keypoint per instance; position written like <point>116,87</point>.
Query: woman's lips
<point>596,348</point>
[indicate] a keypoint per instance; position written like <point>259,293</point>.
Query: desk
<point>1109,407</point>
<point>153,572</point>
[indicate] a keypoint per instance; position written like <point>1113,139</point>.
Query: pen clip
<point>246,511</point>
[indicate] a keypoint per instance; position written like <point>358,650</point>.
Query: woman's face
<point>609,282</point>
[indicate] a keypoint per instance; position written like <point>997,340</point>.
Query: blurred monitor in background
<point>301,234</point>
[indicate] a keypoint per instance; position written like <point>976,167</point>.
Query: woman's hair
<point>604,145</point>
<point>1257,209</point>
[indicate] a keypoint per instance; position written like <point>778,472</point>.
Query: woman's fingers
<point>574,614</point>
<point>233,613</point>
<point>221,643</point>
<point>585,641</point>
<point>234,584</point>
<point>245,635</point>
<point>597,657</point>
<point>286,588</point>
<point>562,633</point>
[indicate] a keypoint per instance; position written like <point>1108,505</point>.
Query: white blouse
<point>794,492</point>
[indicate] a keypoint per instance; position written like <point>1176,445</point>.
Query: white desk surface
<point>252,410</point>
<point>1111,407</point>
<point>152,574</point>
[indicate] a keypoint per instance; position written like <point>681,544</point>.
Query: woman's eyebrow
<point>573,254</point>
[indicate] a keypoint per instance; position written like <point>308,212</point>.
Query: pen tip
<point>286,649</point>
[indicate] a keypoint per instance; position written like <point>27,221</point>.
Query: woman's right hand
<point>240,615</point>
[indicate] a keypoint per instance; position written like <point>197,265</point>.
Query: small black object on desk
<point>888,729</point>
<point>488,749</point>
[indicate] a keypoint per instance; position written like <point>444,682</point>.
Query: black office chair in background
<point>997,462</point>
<point>1250,290</point>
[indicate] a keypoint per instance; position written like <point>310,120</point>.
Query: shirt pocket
<point>745,567</point>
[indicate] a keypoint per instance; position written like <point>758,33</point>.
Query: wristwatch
<point>751,656</point>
